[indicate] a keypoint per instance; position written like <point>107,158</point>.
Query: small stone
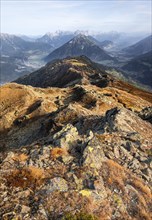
<point>67,159</point>
<point>25,209</point>
<point>116,152</point>
<point>142,159</point>
<point>59,184</point>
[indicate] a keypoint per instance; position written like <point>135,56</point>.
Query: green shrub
<point>79,216</point>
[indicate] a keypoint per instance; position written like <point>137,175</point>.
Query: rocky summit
<point>75,147</point>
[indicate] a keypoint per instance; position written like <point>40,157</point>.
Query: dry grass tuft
<point>25,177</point>
<point>67,116</point>
<point>65,202</point>
<point>138,184</point>
<point>58,152</point>
<point>114,174</point>
<point>80,216</point>
<point>75,62</point>
<point>20,157</point>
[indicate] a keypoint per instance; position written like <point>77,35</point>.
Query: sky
<point>35,17</point>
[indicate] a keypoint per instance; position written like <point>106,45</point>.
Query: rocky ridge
<point>78,152</point>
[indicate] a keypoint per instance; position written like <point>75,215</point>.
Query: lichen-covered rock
<point>67,137</point>
<point>93,155</point>
<point>57,184</point>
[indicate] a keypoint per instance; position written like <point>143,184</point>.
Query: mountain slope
<point>106,44</point>
<point>140,47</point>
<point>11,44</point>
<point>140,69</point>
<point>78,152</point>
<point>81,152</point>
<point>80,45</point>
<point>76,70</point>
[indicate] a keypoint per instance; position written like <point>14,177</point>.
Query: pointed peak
<point>82,38</point>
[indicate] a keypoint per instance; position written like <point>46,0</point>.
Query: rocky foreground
<point>80,152</point>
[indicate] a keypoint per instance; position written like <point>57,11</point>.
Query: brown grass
<point>20,157</point>
<point>75,62</point>
<point>138,184</point>
<point>67,115</point>
<point>144,215</point>
<point>114,174</point>
<point>58,152</point>
<point>105,210</point>
<point>25,177</point>
<point>61,200</point>
<point>117,176</point>
<point>133,90</point>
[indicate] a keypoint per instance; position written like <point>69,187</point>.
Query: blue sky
<point>32,17</point>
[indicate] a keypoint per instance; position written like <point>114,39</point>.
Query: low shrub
<point>80,216</point>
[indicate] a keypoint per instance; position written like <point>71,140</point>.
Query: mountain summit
<point>80,45</point>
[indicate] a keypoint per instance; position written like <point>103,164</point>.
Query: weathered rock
<point>146,114</point>
<point>57,184</point>
<point>67,137</point>
<point>93,155</point>
<point>25,209</point>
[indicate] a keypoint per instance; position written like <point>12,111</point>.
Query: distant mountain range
<point>57,39</point>
<point>22,55</point>
<point>120,40</point>
<point>11,44</point>
<point>80,45</point>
